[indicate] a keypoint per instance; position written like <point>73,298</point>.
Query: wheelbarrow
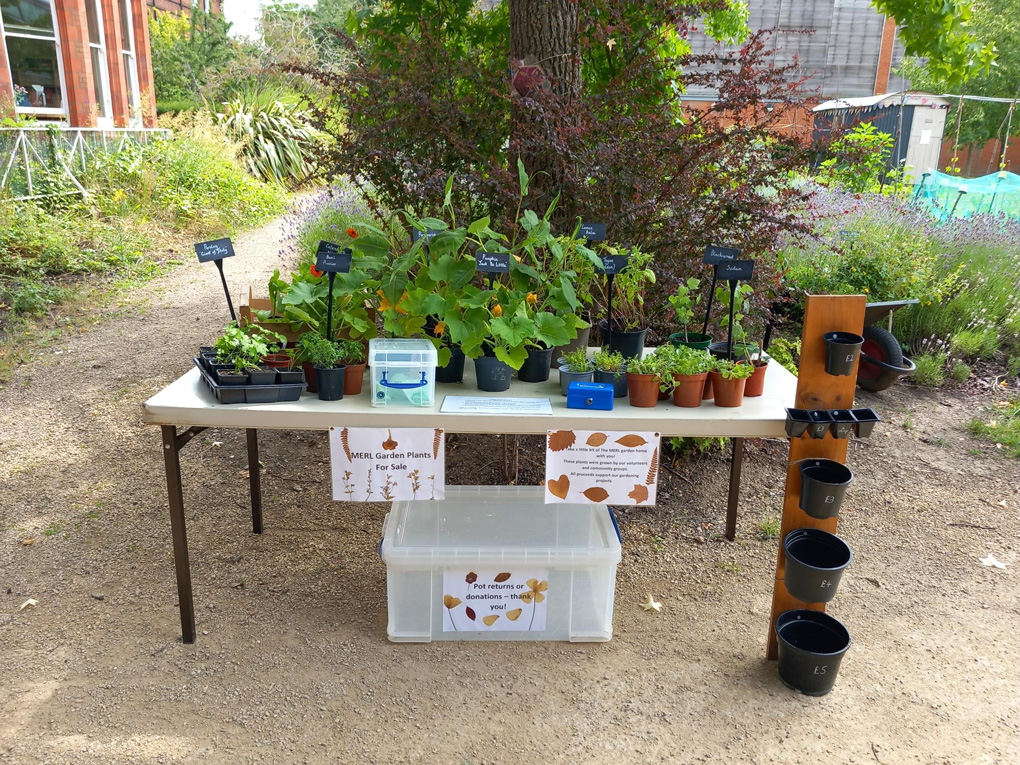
<point>882,361</point>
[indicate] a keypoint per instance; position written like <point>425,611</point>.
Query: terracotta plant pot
<point>643,389</point>
<point>310,379</point>
<point>709,393</point>
<point>353,378</point>
<point>277,361</point>
<point>727,392</point>
<point>688,389</point>
<point>756,382</point>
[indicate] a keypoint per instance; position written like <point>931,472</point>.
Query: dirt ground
<point>292,664</point>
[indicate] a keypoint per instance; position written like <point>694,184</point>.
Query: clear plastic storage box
<point>403,372</point>
<point>496,563</point>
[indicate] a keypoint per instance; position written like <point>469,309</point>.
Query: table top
<point>187,402</point>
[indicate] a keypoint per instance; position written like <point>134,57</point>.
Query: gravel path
<point>292,663</point>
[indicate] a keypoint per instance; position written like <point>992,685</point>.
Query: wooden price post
<point>815,390</point>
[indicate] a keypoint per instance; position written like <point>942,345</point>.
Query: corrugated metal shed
<point>841,54</point>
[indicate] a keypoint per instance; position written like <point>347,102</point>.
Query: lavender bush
<point>327,215</point>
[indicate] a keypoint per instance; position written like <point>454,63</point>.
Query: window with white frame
<point>97,46</point>
<point>29,31</point>
<point>127,41</point>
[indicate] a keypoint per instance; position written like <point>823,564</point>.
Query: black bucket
<point>330,382</point>
<point>492,375</point>
<point>628,344</point>
<point>797,421</point>
<point>841,352</point>
<point>617,380</point>
<point>823,486</point>
<point>821,422</point>
<point>536,367</point>
<point>811,647</point>
<point>815,561</point>
<point>453,372</point>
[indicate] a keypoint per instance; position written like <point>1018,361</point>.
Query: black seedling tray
<point>839,422</point>
<point>249,394</point>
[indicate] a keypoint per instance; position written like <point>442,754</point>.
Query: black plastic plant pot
<point>291,377</point>
<point>821,422</point>
<point>628,344</point>
<point>841,352</point>
<point>230,378</point>
<point>567,377</point>
<point>331,382</point>
<point>823,486</point>
<point>797,422</point>
<point>536,367</point>
<point>721,350</point>
<point>811,647</point>
<point>866,419</point>
<point>453,372</point>
<point>617,380</point>
<point>815,561</point>
<point>843,423</point>
<point>492,375</point>
<point>262,377</point>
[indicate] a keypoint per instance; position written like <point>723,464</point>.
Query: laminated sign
<point>387,464</point>
<point>495,600</point>
<point>617,468</point>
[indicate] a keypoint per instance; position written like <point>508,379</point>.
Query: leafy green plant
<point>975,344</point>
<point>629,287</point>
<point>769,527</point>
<point>960,372</point>
<point>786,353</point>
<point>1001,426</point>
<point>351,351</point>
<point>612,361</point>
<point>741,307</point>
<point>1013,366</point>
<point>931,369</point>
<point>319,351</point>
<point>682,360</point>
<point>245,347</point>
<point>578,360</point>
<point>684,301</point>
<point>859,159</point>
<point>733,370</point>
<point>649,365</point>
<point>276,140</point>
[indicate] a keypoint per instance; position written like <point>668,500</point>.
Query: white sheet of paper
<point>617,468</point>
<point>387,464</point>
<point>485,405</point>
<point>925,137</point>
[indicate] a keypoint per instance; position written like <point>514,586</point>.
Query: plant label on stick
<point>612,264</point>
<point>430,234</point>
<point>331,259</point>
<point>614,467</point>
<point>217,249</point>
<point>716,254</point>
<point>492,262</point>
<point>387,464</point>
<point>736,270</point>
<point>593,232</point>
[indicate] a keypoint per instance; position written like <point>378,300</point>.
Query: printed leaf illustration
<point>514,615</point>
<point>470,612</point>
<point>631,441</point>
<point>596,494</point>
<point>639,494</point>
<point>451,602</point>
<point>347,447</point>
<point>596,439</point>
<point>471,578</point>
<point>535,591</point>
<point>502,577</point>
<point>653,468</point>
<point>389,444</point>
<point>490,619</point>
<point>435,443</point>
<point>561,439</point>
<point>559,487</point>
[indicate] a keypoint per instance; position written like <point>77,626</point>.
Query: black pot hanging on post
<point>841,352</point>
<point>815,561</point>
<point>823,486</point>
<point>811,647</point>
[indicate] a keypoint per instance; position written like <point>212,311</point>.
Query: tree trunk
<point>544,54</point>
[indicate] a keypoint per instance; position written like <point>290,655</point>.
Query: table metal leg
<point>736,462</point>
<point>254,480</point>
<point>171,457</point>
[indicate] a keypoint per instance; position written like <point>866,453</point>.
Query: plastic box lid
<point>498,524</point>
<point>415,351</point>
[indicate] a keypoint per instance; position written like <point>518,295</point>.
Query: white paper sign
<point>484,405</point>
<point>617,468</point>
<point>387,464</point>
<point>925,137</point>
<point>493,600</point>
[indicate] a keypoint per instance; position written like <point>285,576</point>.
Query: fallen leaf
<point>596,439</point>
<point>27,603</point>
<point>639,494</point>
<point>502,577</point>
<point>28,542</point>
<point>490,619</point>
<point>513,615</point>
<point>469,612</point>
<point>652,605</point>
<point>559,487</point>
<point>631,441</point>
<point>561,439</point>
<point>596,493</point>
<point>991,561</point>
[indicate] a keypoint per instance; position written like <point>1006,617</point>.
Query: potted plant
<point>354,356</point>
<point>742,349</point>
<point>576,367</point>
<point>245,349</point>
<point>325,357</point>
<point>643,380</point>
<point>728,381</point>
<point>687,368</point>
<point>683,302</point>
<point>611,367</point>
<point>629,327</point>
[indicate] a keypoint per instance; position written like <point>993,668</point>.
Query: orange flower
<point>352,233</point>
<point>498,310</point>
<point>385,305</point>
<point>314,271</point>
<point>532,298</point>
<point>440,329</point>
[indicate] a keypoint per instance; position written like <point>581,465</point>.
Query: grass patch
<point>1001,426</point>
<point>931,369</point>
<point>768,528</point>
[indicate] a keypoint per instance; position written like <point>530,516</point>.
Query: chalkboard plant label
<point>493,262</point>
<point>430,234</point>
<point>593,232</point>
<point>716,254</point>
<point>331,258</point>
<point>216,249</point>
<point>612,264</point>
<point>736,270</point>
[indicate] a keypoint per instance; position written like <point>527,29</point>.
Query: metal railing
<point>46,161</point>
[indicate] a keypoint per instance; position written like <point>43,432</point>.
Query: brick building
<point>81,63</point>
<point>184,6</point>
